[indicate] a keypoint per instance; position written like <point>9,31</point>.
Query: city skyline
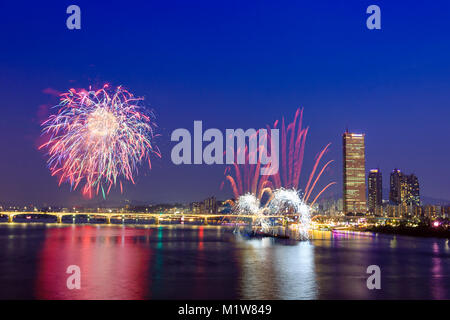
<point>376,88</point>
<point>402,184</point>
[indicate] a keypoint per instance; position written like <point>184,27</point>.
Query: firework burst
<point>282,187</point>
<point>98,138</point>
<point>247,177</point>
<point>288,201</point>
<point>249,204</point>
<point>293,139</point>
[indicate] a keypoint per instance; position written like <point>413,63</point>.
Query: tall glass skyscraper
<point>354,173</point>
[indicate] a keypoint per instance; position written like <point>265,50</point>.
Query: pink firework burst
<point>98,138</point>
<point>247,178</point>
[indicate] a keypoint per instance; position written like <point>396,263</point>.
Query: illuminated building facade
<point>375,190</point>
<point>404,189</point>
<point>413,194</point>
<point>395,187</point>
<point>210,205</point>
<point>196,207</point>
<point>354,193</point>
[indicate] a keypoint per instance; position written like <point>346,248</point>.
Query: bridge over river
<point>157,218</point>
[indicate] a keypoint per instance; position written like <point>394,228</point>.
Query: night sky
<point>232,64</point>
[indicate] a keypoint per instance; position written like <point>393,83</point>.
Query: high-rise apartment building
<point>354,184</point>
<point>413,194</point>
<point>395,187</point>
<point>404,189</point>
<point>210,205</point>
<point>375,190</point>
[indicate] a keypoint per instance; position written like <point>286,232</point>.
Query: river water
<point>210,262</point>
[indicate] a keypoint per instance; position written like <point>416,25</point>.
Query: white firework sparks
<point>288,201</point>
<point>282,202</point>
<point>247,204</point>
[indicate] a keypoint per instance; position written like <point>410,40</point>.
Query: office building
<point>375,190</point>
<point>354,184</point>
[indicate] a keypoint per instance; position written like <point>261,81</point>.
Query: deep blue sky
<point>233,64</point>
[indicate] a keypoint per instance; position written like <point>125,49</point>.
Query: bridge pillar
<point>10,218</point>
<point>205,221</point>
<point>108,219</point>
<point>59,218</point>
<point>157,220</point>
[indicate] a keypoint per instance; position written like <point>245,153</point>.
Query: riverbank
<point>421,231</point>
